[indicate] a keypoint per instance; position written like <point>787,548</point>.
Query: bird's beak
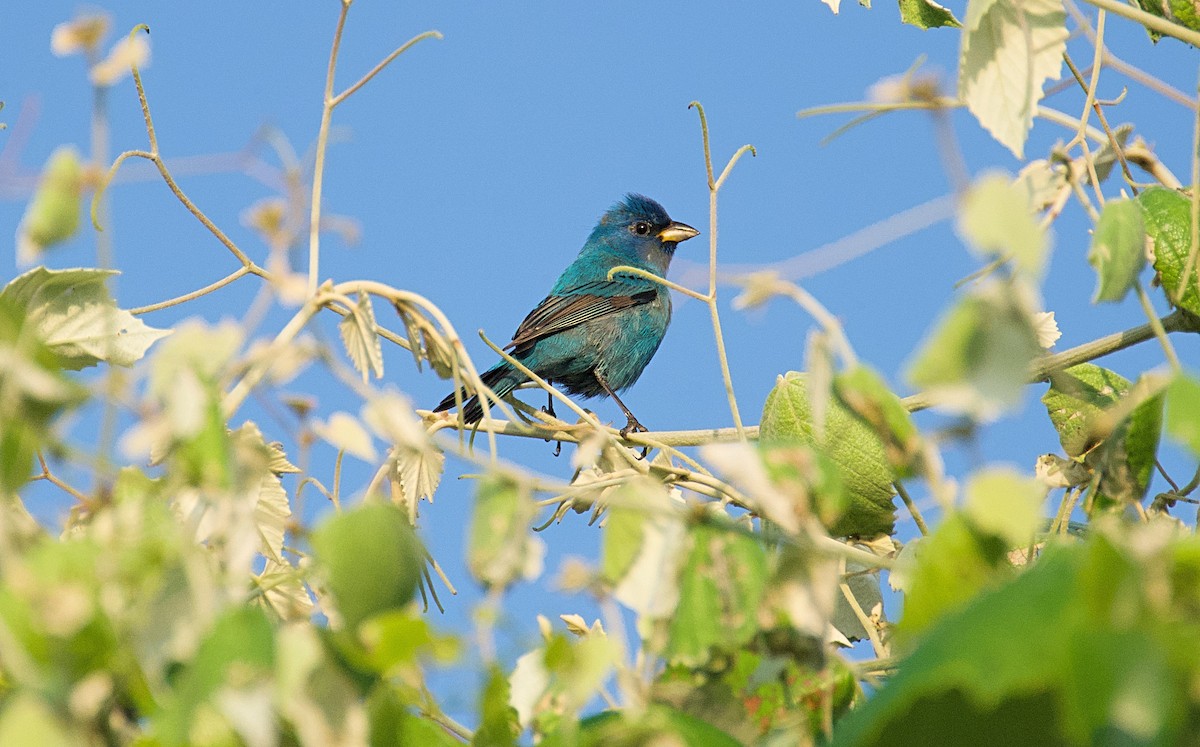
<point>677,232</point>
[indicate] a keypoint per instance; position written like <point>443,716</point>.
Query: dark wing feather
<point>557,313</point>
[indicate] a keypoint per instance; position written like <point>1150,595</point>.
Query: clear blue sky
<point>477,166</point>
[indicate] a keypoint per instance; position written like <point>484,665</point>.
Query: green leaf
<point>996,220</point>
<point>396,641</point>
<point>722,582</point>
<point>1003,503</point>
<point>1076,399</point>
<point>976,361</point>
<point>372,559</point>
<point>623,533</point>
<point>72,312</point>
<point>1169,226</point>
<point>926,14</point>
<point>53,214</point>
<point>501,547</point>
<point>1183,411</point>
<point>1182,12</point>
<point>362,344</point>
<point>1086,405</point>
<point>1042,181</point>
<point>1092,645</point>
<point>657,725</point>
<point>33,391</point>
<point>1009,50</point>
<point>803,473</point>
<point>864,392</point>
<point>498,725</point>
<point>951,565</point>
<point>851,445</point>
<point>648,582</point>
<point>1118,251</point>
<point>28,720</point>
<point>393,724</point>
<point>239,650</point>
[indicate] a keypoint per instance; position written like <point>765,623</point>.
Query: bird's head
<point>640,230</point>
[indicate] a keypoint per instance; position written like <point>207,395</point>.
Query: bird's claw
<point>633,426</point>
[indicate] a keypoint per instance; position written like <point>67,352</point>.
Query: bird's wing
<point>576,306</point>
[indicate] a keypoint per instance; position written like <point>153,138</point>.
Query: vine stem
<point>329,103</point>
<point>714,186</point>
<point>1156,326</point>
<point>1041,369</point>
<point>314,222</point>
<point>1152,22</point>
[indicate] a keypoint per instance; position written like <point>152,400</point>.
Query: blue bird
<point>593,336</point>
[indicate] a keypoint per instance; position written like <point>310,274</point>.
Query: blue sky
<point>477,165</point>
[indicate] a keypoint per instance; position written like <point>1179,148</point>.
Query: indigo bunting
<point>593,336</point>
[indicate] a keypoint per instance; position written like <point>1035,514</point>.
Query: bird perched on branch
<point>593,336</point>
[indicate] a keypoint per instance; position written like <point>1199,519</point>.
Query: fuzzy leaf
<point>1004,504</point>
<point>926,14</point>
<point>1118,249</point>
<point>857,451</point>
<point>284,592</point>
<point>502,549</point>
<point>1183,411</point>
<point>976,361</point>
<point>418,461</point>
<point>997,221</point>
<point>53,213</point>
<point>1168,216</point>
<point>722,583</point>
<point>643,554</point>
<point>1009,49</point>
<point>865,393</point>
<point>345,433</point>
<point>372,560</point>
<point>362,344</point>
<point>75,316</point>
<point>1097,423</point>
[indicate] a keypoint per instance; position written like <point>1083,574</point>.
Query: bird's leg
<point>549,410</point>
<point>633,425</point>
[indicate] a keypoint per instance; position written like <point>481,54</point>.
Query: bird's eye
<point>641,228</point>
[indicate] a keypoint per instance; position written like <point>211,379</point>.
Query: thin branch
<point>1152,22</point>
<point>630,270</point>
<point>1176,321</point>
<point>912,507</point>
<point>714,187</point>
<point>1157,326</point>
<point>318,179</point>
<point>386,61</point>
<point>239,272</point>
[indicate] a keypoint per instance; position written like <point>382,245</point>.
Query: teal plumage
<point>593,336</point>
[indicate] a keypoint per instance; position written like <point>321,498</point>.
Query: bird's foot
<point>633,426</point>
<point>549,410</point>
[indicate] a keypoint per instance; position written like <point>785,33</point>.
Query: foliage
<point>188,598</point>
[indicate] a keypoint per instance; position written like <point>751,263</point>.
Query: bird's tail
<point>501,378</point>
